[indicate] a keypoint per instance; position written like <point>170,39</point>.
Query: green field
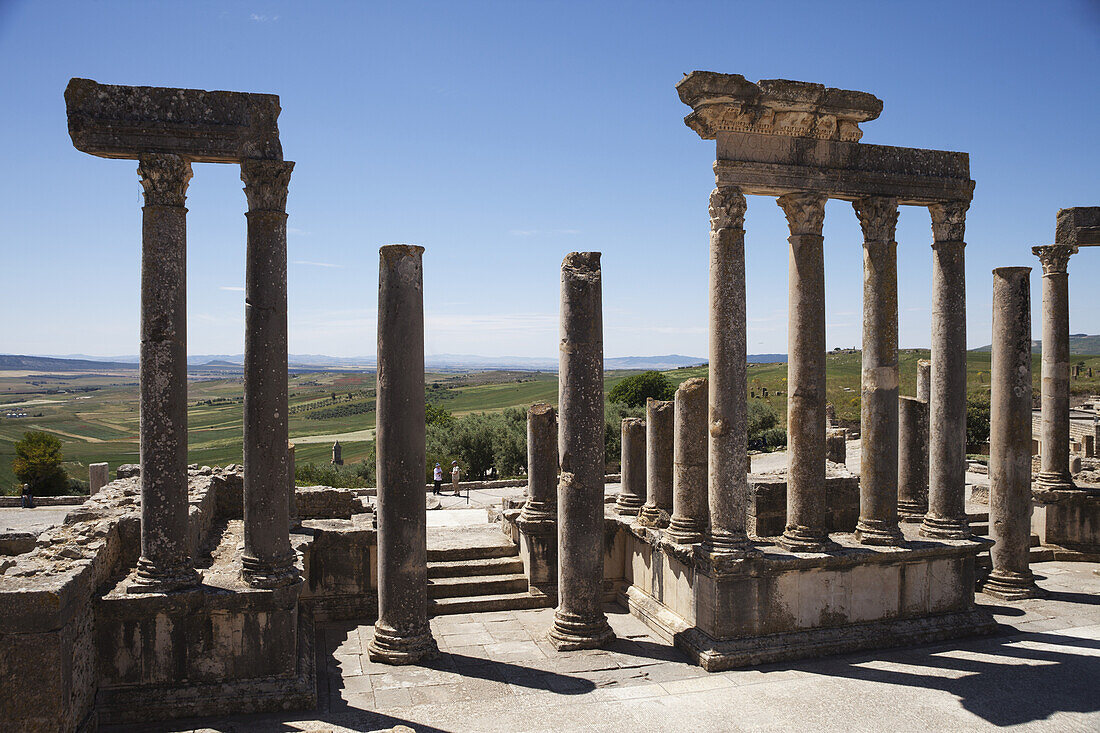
<point>96,415</point>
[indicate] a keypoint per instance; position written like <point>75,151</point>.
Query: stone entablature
<point>1078,226</point>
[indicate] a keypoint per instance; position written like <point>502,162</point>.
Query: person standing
<point>456,474</point>
<point>437,478</point>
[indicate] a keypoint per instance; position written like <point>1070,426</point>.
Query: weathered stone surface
<point>579,620</point>
<point>632,495</point>
<point>659,439</point>
<point>98,476</point>
<point>402,634</point>
<point>924,380</point>
<point>912,459</point>
<point>542,463</point>
<point>767,510</point>
<point>1079,226</point>
<point>836,445</point>
<point>115,121</point>
<point>690,509</point>
<point>1010,437</point>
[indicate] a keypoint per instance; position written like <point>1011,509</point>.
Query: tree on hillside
<point>634,390</point>
<point>38,463</point>
<point>977,423</point>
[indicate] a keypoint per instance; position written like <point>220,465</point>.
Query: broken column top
<point>1078,226</point>
<point>114,121</point>
<point>731,103</point>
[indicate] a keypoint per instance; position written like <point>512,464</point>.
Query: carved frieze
<point>949,220</point>
<point>727,208</point>
<point>265,183</point>
<point>805,212</point>
<point>1054,257</point>
<point>878,216</point>
<point>164,179</point>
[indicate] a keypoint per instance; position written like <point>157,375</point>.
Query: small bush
<point>633,391</point>
<point>977,423</point>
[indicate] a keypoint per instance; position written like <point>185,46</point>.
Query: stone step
<point>482,566</point>
<point>980,528</point>
<point>1037,554</point>
<point>977,517</point>
<point>482,585</point>
<point>477,604</point>
<point>476,552</point>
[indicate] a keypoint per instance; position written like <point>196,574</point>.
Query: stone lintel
<point>114,121</point>
<point>1079,226</point>
<point>729,102</point>
<point>771,165</point>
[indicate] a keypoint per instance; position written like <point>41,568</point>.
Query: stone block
<point>767,510</point>
<point>98,476</point>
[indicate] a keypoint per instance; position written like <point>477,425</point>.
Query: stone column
<point>689,476</point>
<point>912,459</point>
<point>165,563</point>
<point>542,464</point>
<point>805,531</point>
<point>946,517</point>
<point>401,634</point>
<point>291,488</point>
<point>924,380</point>
<point>579,620</point>
<point>98,476</point>
<point>728,401</point>
<point>632,495</point>
<point>1010,437</point>
<point>659,433</point>
<point>878,474</point>
<point>268,561</point>
<point>1054,434</point>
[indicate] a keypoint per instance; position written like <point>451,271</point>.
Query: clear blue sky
<point>502,136</point>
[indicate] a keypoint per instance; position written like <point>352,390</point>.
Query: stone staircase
<point>979,525</point>
<point>483,574</point>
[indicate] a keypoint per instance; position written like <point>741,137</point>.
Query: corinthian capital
<point>164,178</point>
<point>265,183</point>
<point>949,220</point>
<point>878,216</point>
<point>805,212</point>
<point>1054,257</point>
<point>727,208</point>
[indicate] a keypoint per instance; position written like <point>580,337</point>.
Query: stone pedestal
<point>165,563</point>
<point>1054,473</point>
<point>946,517</point>
<point>632,495</point>
<point>98,476</point>
<point>805,530</point>
<point>579,620</point>
<point>688,524</point>
<point>836,445</point>
<point>1010,437</point>
<point>912,459</point>
<point>401,634</point>
<point>268,559</point>
<point>537,522</point>
<point>878,475</point>
<point>659,431</point>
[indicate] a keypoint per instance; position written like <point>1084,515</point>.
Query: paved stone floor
<point>496,673</point>
<point>35,520</point>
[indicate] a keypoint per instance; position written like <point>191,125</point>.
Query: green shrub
<point>634,390</point>
<point>977,422</point>
<point>38,463</point>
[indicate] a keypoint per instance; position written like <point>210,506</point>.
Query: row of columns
<point>165,563</point>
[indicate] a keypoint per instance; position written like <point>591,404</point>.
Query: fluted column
<point>805,531</point>
<point>728,400</point>
<point>946,517</point>
<point>268,559</point>
<point>878,474</point>
<point>542,464</point>
<point>579,620</point>
<point>632,495</point>
<point>1054,434</point>
<point>1010,437</point>
<point>658,464</point>
<point>688,524</point>
<point>165,563</point>
<point>401,634</point>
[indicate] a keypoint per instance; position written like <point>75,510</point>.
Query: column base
<point>571,632</point>
<point>911,511</point>
<point>151,579</point>
<point>731,544</point>
<point>805,539</point>
<point>628,504</point>
<point>1011,586</point>
<point>1053,481</point>
<point>945,528</point>
<point>268,575</point>
<point>539,511</point>
<point>653,516</point>
<point>390,647</point>
<point>685,531</point>
<point>878,532</point>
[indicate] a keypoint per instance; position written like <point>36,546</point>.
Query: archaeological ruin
<point>181,590</point>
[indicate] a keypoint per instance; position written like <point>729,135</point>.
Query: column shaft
<point>1010,436</point>
<point>579,620</point>
<point>728,401</point>
<point>946,517</point>
<point>1054,434</point>
<point>268,560</point>
<point>912,459</point>
<point>659,432</point>
<point>878,475</point>
<point>401,634</point>
<point>924,380</point>
<point>542,464</point>
<point>805,531</point>
<point>689,475</point>
<point>632,495</point>
<point>165,563</point>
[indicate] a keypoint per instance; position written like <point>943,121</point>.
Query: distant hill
<point>46,363</point>
<point>1081,344</point>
